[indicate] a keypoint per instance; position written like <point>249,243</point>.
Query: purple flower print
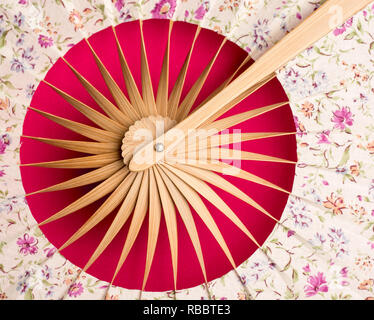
<point>45,41</point>
<point>75,289</point>
<point>30,90</point>
<point>300,129</point>
<point>4,142</point>
<point>343,28</point>
<point>20,40</point>
<point>119,4</point>
<point>27,244</point>
<point>19,19</point>
<point>23,1</point>
<point>24,62</point>
<point>260,34</point>
<point>22,285</point>
<point>164,9</point>
<point>2,173</point>
<point>49,252</point>
<point>316,284</point>
<point>46,272</point>
<point>342,118</point>
<point>17,65</point>
<point>200,12</point>
<point>338,241</point>
<point>344,274</point>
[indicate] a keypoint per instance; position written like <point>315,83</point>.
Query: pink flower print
<point>27,244</point>
<point>164,9</point>
<point>300,129</point>
<point>200,12</point>
<point>119,4</point>
<point>343,28</point>
<point>45,41</point>
<point>4,142</point>
<point>290,233</point>
<point>75,289</point>
<point>324,137</point>
<point>316,284</point>
<point>342,118</point>
<point>306,268</point>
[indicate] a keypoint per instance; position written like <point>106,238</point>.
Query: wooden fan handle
<point>329,16</point>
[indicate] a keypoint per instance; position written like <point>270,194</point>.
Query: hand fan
<point>151,149</point>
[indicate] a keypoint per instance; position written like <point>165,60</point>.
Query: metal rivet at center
<point>159,147</point>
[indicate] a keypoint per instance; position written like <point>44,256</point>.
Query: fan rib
<point>163,84</point>
<point>109,108</point>
<point>234,102</point>
<point>171,221</point>
<point>120,219</point>
<point>100,191</point>
<point>220,182</point>
<point>186,105</point>
<point>147,89</point>
<point>231,121</point>
<point>208,193</point>
<point>154,224</point>
<point>193,198</point>
<point>210,141</point>
<point>132,88</point>
<point>95,161</point>
<point>176,93</point>
<point>95,116</point>
<point>79,146</point>
<point>228,169</point>
<point>104,210</point>
<point>84,179</point>
<point>121,100</point>
<point>228,154</point>
<point>136,222</point>
<point>85,130</point>
<point>226,82</point>
<point>186,215</point>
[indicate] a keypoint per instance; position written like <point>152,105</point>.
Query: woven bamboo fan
<point>157,155</point>
<point>167,198</point>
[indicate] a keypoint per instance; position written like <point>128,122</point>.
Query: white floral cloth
<point>324,248</point>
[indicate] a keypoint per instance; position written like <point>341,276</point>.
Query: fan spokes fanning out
<point>171,187</point>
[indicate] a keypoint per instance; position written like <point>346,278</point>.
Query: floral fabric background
<point>324,247</point>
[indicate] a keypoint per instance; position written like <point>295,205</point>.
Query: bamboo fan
<point>177,182</point>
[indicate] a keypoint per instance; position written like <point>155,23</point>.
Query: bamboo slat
<point>94,176</point>
<point>95,161</point>
<point>95,194</point>
<point>80,146</point>
<point>176,93</point>
<point>85,130</point>
<point>109,108</point>
<point>119,97</point>
<point>163,84</point>
<point>120,219</point>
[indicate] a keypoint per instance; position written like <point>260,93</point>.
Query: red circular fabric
<point>44,205</point>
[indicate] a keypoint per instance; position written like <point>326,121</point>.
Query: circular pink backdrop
<point>44,205</point>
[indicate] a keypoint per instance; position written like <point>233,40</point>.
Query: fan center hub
<point>143,132</point>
